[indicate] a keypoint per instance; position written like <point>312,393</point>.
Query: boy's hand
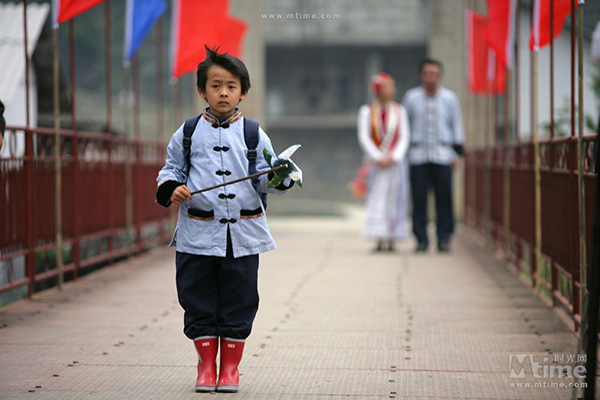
<point>280,174</point>
<point>180,194</point>
<point>283,171</point>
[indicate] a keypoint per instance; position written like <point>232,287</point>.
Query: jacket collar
<point>214,121</point>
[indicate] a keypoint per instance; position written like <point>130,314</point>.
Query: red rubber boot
<point>207,347</point>
<point>231,355</point>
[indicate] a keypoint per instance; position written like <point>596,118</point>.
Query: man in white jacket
<point>437,137</point>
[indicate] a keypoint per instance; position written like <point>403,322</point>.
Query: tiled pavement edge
<point>336,321</point>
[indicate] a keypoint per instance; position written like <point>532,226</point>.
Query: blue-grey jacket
<point>218,154</point>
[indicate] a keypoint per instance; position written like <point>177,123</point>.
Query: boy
<point>220,232</point>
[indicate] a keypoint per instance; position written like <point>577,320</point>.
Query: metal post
<point>572,68</point>
<point>109,129</point>
<point>467,212</point>
<point>486,167</point>
<point>57,162</point>
<point>76,192</point>
<point>160,95</point>
<point>472,182</point>
<point>107,65</point>
<point>29,156</point>
<point>580,168</point>
<point>477,148</point>
<point>593,307</point>
<point>128,174</point>
<point>72,58</point>
<point>516,73</point>
<point>160,87</point>
<point>537,255</point>
<point>177,102</point>
<point>137,209</point>
<point>27,64</point>
<point>176,118</point>
<point>552,80</point>
<point>506,204</point>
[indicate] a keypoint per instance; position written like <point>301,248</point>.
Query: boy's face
<point>223,91</point>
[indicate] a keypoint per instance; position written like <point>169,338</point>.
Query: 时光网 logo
<point>522,366</point>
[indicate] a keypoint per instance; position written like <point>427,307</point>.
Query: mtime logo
<point>522,366</point>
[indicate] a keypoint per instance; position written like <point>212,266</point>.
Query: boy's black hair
<point>230,63</point>
<point>432,61</point>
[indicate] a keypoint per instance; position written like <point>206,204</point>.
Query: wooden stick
<point>240,179</point>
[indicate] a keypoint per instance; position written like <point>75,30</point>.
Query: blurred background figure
<point>595,50</point>
<point>383,135</point>
<point>2,123</point>
<point>436,142</point>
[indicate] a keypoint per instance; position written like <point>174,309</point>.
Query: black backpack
<point>250,137</point>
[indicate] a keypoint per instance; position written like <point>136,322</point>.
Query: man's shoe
<point>421,248</point>
<point>444,247</point>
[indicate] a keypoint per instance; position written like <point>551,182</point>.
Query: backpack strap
<point>251,139</point>
<point>188,130</point>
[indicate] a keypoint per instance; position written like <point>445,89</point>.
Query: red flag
<point>540,32</point>
<point>476,52</point>
<point>500,30</point>
<point>496,74</point>
<point>64,10</point>
<point>484,74</point>
<point>198,23</point>
<point>230,35</point>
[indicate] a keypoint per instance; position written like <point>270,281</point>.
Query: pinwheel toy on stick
<point>282,167</point>
<point>289,171</point>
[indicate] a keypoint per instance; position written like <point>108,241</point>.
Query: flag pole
<point>551,149</point>
<point>110,143</point>
<point>57,159</point>
<point>469,167</point>
<point>128,172</point>
<point>580,167</point>
<point>593,307</point>
<point>491,140</point>
<point>506,172</point>
<point>536,173</point>
<point>488,162</point>
<point>173,115</point>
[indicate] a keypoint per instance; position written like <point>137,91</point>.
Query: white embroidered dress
<point>385,131</point>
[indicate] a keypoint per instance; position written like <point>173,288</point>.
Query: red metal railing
<point>94,223</point>
<point>559,272</point>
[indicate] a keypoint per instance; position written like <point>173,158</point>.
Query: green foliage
<point>595,85</point>
<point>562,120</point>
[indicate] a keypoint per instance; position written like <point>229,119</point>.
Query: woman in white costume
<point>383,135</point>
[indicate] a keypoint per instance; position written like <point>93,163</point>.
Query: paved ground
<point>336,321</point>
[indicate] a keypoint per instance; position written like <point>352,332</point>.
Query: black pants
<point>422,178</point>
<point>219,295</point>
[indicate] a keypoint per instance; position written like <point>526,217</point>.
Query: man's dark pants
<point>422,178</point>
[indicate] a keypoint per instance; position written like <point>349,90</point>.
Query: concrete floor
<point>335,321</point>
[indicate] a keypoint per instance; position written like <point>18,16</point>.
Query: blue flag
<point>139,19</point>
